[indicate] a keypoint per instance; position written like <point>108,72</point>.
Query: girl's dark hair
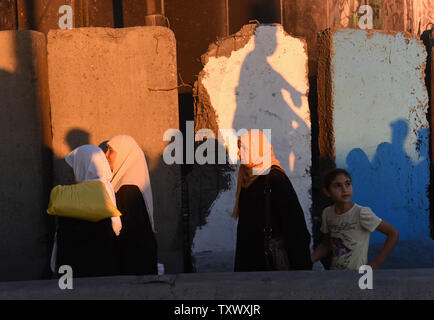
<point>330,175</point>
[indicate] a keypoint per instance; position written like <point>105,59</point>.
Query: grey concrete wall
<point>25,146</point>
<point>105,82</point>
<point>281,285</point>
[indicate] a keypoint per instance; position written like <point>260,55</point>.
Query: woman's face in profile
<point>111,156</point>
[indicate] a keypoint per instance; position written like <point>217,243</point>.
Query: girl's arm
<point>392,238</point>
<point>322,250</point>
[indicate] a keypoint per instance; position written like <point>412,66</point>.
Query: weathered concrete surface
<point>42,15</point>
<point>45,15</point>
<point>305,18</point>
<point>420,13</point>
<point>372,108</point>
<point>105,82</point>
<point>8,16</point>
<point>25,147</point>
<point>284,285</point>
<point>256,79</point>
<point>241,12</point>
<point>186,18</point>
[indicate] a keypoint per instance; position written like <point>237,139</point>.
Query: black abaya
<point>287,220</point>
<point>136,244</point>
<point>86,246</point>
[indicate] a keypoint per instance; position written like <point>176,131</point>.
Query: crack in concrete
<point>164,280</point>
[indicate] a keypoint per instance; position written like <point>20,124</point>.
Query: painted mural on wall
<point>380,126</point>
<point>260,85</point>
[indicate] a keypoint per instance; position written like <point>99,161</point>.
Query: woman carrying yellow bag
<point>88,221</point>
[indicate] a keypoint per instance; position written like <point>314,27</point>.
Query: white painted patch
<point>378,83</point>
<point>263,85</point>
<point>380,126</point>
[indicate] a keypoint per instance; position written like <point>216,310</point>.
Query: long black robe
<point>287,220</point>
<point>136,245</point>
<point>86,246</point>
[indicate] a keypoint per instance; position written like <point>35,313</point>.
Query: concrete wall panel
<point>24,146</point>
<point>105,82</point>
<point>420,15</point>
<point>186,19</point>
<point>374,123</point>
<point>256,79</point>
<point>42,15</point>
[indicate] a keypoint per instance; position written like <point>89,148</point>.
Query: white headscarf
<point>90,164</point>
<point>130,168</point>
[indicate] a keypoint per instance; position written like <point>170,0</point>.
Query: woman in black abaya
<point>87,246</point>
<point>136,245</point>
<point>258,162</point>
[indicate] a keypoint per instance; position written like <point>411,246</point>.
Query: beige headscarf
<point>257,158</point>
<point>130,168</point>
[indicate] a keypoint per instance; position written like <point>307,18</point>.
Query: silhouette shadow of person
<point>394,166</point>
<point>62,172</point>
<point>76,137</point>
<point>393,185</point>
<point>362,176</point>
<point>266,100</point>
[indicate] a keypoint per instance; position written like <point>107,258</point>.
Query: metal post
<point>155,13</point>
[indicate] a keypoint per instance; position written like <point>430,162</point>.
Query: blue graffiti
<point>393,186</point>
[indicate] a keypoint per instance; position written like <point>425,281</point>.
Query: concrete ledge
<point>339,285</point>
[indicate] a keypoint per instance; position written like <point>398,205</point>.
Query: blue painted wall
<point>392,184</point>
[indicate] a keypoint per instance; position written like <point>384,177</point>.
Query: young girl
<point>346,227</point>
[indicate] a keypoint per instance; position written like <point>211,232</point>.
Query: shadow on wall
<point>261,103</point>
<point>25,156</point>
<point>392,185</point>
<point>169,233</point>
<point>74,138</point>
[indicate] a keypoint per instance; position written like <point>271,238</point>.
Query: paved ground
<point>408,274</point>
<point>280,285</point>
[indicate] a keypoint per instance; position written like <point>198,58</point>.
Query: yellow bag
<point>87,201</point>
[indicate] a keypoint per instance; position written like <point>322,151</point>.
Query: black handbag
<point>276,256</point>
